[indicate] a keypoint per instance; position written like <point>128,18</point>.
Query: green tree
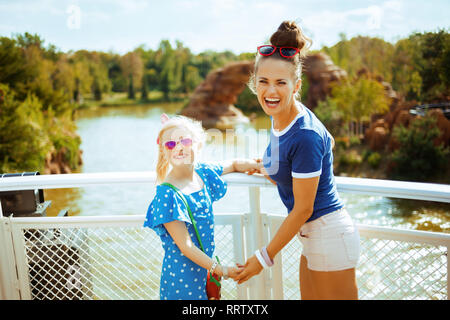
<point>418,158</point>
<point>359,99</point>
<point>373,54</point>
<point>405,76</point>
<point>35,86</point>
<point>12,63</point>
<point>132,68</point>
<point>23,139</point>
<point>144,88</point>
<point>432,53</point>
<point>191,78</point>
<point>165,56</point>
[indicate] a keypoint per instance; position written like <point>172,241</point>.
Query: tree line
<point>418,67</point>
<point>42,86</point>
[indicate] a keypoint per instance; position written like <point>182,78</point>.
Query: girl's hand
<point>251,268</point>
<point>233,272</point>
<point>262,170</point>
<point>254,166</point>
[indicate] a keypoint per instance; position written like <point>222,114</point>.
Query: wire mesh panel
<point>105,262</point>
<point>225,251</point>
<point>291,264</point>
<point>398,270</point>
<point>387,270</point>
<point>94,263</point>
<point>116,258</point>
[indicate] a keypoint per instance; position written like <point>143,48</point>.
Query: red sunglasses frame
<point>275,49</point>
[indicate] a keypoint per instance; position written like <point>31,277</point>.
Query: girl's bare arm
<point>241,165</point>
<point>179,233</point>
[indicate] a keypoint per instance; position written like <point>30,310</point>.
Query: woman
<point>299,161</point>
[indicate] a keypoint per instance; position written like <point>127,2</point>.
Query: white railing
<point>113,257</point>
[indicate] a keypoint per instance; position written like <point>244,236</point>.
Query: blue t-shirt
<point>181,278</point>
<point>303,150</point>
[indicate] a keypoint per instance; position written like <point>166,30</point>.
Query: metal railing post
<point>9,288</point>
<point>255,240</point>
<point>18,242</point>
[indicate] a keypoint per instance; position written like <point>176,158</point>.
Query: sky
<point>236,25</point>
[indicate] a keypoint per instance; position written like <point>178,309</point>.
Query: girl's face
<point>276,86</point>
<point>183,151</point>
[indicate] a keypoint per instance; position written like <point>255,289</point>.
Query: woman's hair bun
<point>290,35</point>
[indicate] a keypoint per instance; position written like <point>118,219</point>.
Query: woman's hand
<point>250,166</point>
<point>251,268</point>
<point>233,272</point>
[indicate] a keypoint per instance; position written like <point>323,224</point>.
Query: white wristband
<point>261,259</point>
<point>225,272</point>
<point>213,267</point>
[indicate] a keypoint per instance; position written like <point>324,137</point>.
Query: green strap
<point>193,222</point>
<point>189,211</point>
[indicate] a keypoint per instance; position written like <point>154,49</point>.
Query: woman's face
<point>183,152</point>
<point>276,86</point>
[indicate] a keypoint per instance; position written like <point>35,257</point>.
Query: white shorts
<point>331,242</point>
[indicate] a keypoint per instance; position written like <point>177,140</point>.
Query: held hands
<point>251,268</point>
<point>256,166</point>
<point>242,273</point>
<point>231,272</point>
<point>250,166</point>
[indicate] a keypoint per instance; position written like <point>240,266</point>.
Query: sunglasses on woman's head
<point>286,52</point>
<point>172,144</point>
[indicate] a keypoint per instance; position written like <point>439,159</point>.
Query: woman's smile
<point>272,102</point>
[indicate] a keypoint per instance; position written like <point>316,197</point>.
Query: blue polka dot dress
<point>181,278</point>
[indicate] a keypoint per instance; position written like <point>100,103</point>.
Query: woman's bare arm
<point>304,194</point>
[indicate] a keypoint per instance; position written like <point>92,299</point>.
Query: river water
<point>123,138</point>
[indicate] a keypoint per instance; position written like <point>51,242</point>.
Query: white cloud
<point>369,20</point>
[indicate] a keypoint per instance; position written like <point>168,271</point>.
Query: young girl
<point>185,265</point>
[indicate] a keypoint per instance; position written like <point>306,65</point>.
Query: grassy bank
<point>113,99</point>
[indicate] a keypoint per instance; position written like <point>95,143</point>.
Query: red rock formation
<point>320,73</point>
<point>56,163</point>
<point>212,101</point>
<point>377,135</point>
<point>400,116</point>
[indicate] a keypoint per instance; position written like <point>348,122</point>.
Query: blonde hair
<point>198,136</point>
